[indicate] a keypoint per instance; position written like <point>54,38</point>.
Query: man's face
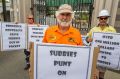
<point>64,19</point>
<point>30,20</point>
<point>103,20</point>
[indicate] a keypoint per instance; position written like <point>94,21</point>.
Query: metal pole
<point>4,10</point>
<point>32,7</point>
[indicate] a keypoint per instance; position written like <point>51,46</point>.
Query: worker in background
<point>30,20</point>
<point>102,26</point>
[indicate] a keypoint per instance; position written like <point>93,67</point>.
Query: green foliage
<point>84,16</point>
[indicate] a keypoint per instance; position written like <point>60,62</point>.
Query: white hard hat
<point>103,13</point>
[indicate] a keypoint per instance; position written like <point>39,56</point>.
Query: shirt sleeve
<point>112,29</point>
<point>89,34</point>
<point>44,38</point>
<point>81,41</point>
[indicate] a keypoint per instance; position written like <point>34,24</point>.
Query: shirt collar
<point>67,32</point>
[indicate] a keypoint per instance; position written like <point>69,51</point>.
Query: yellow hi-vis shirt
<point>98,29</point>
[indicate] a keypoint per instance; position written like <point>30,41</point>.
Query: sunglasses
<point>66,14</point>
<point>103,18</point>
<point>30,18</point>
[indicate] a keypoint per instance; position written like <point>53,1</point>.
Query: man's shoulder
<point>112,29</point>
<point>73,29</point>
<point>53,27</point>
<point>94,28</point>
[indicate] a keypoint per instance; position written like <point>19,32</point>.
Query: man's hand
<point>95,76</point>
<point>89,39</point>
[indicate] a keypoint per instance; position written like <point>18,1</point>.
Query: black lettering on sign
<point>37,40</point>
<point>62,63</point>
<point>13,38</point>
<point>37,32</point>
<point>13,34</point>
<point>98,41</point>
<point>106,47</point>
<point>40,36</point>
<point>19,26</point>
<point>107,37</point>
<point>34,36</point>
<point>63,53</point>
<point>11,42</point>
<point>60,72</point>
<point>111,43</point>
<point>17,41</point>
<point>37,28</point>
<point>104,62</point>
<point>14,46</point>
<point>104,57</point>
<point>105,52</point>
<point>14,30</point>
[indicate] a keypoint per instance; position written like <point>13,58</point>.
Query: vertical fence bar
<point>82,8</point>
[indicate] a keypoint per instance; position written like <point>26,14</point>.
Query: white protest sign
<point>62,62</point>
<point>35,33</point>
<point>13,36</point>
<point>84,40</point>
<point>84,37</point>
<point>109,44</point>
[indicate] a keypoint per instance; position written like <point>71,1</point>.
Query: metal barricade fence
<point>44,12</point>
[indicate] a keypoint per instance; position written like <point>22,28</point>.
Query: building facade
<point>110,5</point>
<point>19,10</point>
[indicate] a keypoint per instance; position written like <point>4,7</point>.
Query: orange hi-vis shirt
<point>71,37</point>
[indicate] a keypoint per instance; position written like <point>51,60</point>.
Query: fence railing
<point>44,12</point>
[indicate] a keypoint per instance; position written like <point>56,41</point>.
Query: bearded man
<point>63,32</point>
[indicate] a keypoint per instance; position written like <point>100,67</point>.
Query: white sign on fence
<point>109,44</point>
<point>35,33</point>
<point>12,36</point>
<point>62,62</point>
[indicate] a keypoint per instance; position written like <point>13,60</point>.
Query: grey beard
<point>63,23</point>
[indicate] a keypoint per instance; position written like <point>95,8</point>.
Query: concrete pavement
<point>12,65</point>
